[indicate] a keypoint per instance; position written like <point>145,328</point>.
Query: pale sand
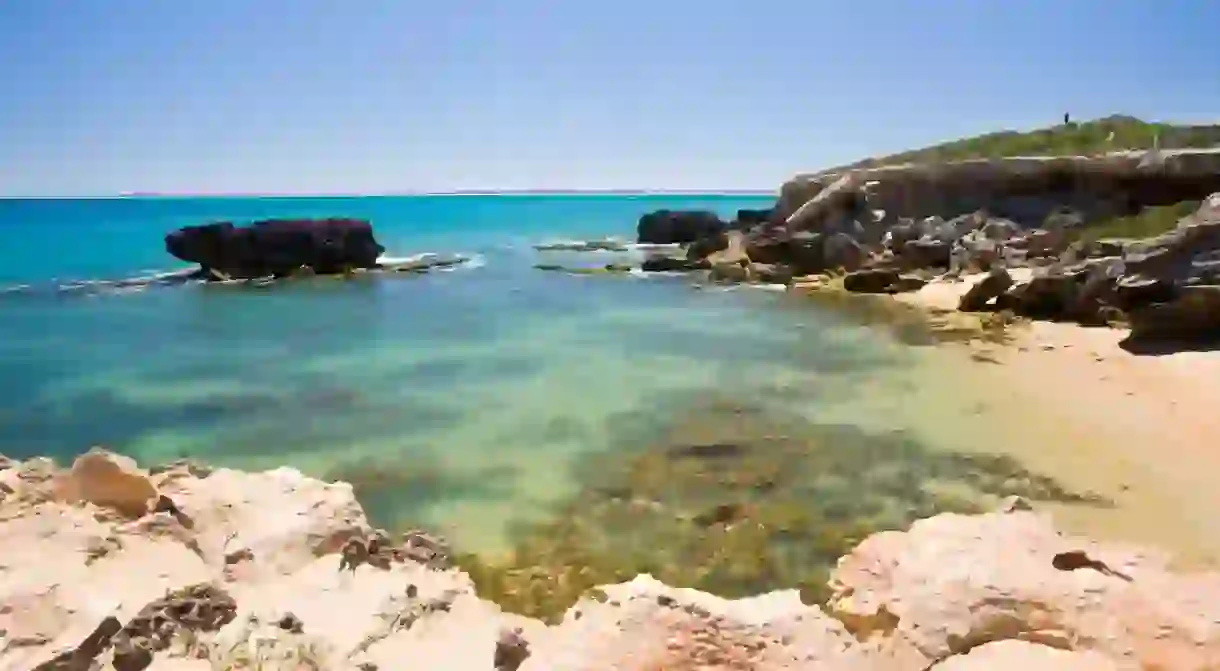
<point>1143,430</point>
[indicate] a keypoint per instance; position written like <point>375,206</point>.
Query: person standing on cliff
<point>1067,118</point>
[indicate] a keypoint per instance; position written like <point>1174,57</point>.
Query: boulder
<point>108,480</point>
<point>956,583</point>
<point>802,251</point>
<point>706,246</point>
<point>1192,315</point>
<point>1015,655</point>
<point>926,253</point>
<point>665,227</point>
<point>277,247</point>
<point>747,219</point>
<point>840,250</point>
<point>643,624</point>
<point>771,273</point>
<point>730,272</point>
<point>871,280</point>
<point>985,290</point>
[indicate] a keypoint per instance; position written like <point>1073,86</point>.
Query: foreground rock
<point>277,247</point>
<point>954,584</point>
<point>274,570</point>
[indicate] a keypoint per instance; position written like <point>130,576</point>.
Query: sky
<point>99,97</point>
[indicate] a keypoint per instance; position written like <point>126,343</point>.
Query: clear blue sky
<point>103,96</point>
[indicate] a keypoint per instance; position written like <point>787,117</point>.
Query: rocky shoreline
<point>183,567</point>
<point>892,230</point>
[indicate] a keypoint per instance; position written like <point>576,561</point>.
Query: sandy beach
<point>1140,429</point>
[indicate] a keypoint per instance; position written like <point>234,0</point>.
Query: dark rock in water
<point>747,219</point>
<point>665,227</point>
<point>660,264</point>
<point>607,245</point>
<point>277,247</point>
<point>985,290</point>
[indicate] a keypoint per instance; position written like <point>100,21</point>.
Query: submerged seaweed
<point>738,500</point>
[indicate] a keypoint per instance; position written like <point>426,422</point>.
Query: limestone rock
<point>109,480</point>
<point>643,625</point>
<point>953,583</point>
<point>1023,656</point>
<point>283,518</point>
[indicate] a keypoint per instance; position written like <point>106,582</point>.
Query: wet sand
<point>1141,430</point>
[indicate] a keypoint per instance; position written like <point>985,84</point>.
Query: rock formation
<point>1024,189</point>
<point>665,227</point>
<point>277,247</point>
<point>274,570</point>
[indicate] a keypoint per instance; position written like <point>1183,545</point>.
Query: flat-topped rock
<point>1024,189</point>
<point>277,247</point>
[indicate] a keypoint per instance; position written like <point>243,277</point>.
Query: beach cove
<point>562,431</point>
<point>464,401</point>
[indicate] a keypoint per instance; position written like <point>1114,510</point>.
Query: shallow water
<point>464,401</point>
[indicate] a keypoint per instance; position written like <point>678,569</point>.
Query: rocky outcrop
<point>665,227</point>
<point>276,571</point>
<point>1166,288</point>
<point>1024,189</point>
<point>277,247</point>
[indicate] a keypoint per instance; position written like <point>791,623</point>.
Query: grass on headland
<point>1073,139</point>
<point>1150,222</point>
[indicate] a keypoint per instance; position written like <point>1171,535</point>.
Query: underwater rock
<point>605,245</point>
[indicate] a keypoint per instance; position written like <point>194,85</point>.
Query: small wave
<point>768,287</point>
<point>476,261</point>
<point>386,259</point>
<point>652,247</point>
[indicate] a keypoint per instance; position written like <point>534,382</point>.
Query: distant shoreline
<point>408,194</point>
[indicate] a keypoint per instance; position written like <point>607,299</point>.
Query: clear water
<point>463,395</point>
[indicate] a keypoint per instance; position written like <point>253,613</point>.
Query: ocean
<point>462,400</point>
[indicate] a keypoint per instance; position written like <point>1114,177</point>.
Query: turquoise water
<point>463,395</point>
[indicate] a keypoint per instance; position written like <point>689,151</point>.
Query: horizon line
<point>135,195</point>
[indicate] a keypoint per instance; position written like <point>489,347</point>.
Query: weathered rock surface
<point>955,583</point>
<point>1024,189</point>
<point>277,247</point>
<point>276,571</point>
<point>644,624</point>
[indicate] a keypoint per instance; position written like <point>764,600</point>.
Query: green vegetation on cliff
<point>1087,138</point>
<point>1150,222</point>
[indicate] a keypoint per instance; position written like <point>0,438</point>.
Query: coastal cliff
<point>182,568</point>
